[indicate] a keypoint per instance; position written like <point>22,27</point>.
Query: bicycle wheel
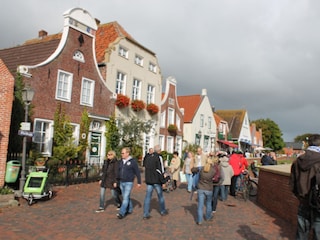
<point>252,188</point>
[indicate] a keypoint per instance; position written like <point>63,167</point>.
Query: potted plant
<point>152,108</point>
<point>122,101</point>
<point>172,128</point>
<point>137,105</point>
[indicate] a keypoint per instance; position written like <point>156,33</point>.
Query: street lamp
<point>27,96</point>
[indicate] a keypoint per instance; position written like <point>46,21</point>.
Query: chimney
<point>42,34</point>
<point>204,92</point>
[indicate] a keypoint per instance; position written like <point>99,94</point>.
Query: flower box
<point>152,108</point>
<point>172,128</point>
<point>137,105</point>
<point>122,101</point>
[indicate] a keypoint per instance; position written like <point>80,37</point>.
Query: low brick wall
<point>274,192</point>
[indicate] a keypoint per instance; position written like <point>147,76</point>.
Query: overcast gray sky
<point>262,56</point>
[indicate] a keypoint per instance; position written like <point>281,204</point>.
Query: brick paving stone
<point>70,214</point>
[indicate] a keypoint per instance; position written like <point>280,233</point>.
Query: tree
<point>84,132</point>
<point>302,138</point>
<point>112,135</point>
<point>271,134</point>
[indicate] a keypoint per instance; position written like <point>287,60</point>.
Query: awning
<point>230,144</point>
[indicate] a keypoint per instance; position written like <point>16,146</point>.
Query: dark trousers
<point>233,185</point>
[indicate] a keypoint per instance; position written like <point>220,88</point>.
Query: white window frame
<point>201,120</point>
<point>170,116</point>
<point>78,56</point>
<point>87,92</point>
<point>123,52</point>
<point>209,122</point>
<point>178,121</point>
<point>121,83</point>
<point>161,142</point>
<point>136,89</point>
<point>43,135</point>
<point>150,94</point>
<point>170,142</point>
<point>152,67</point>
<point>138,60</point>
<point>64,86</point>
<point>163,119</point>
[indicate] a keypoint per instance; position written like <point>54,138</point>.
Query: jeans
<point>126,206</point>
<point>216,190</point>
<point>189,181</point>
<point>195,179</point>
<point>234,185</point>
<point>114,194</point>
<point>202,196</point>
<point>147,199</point>
<point>308,219</point>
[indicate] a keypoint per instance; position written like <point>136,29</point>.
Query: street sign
<point>25,126</point>
<point>25,133</point>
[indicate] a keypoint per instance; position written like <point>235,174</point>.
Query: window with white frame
<point>152,67</point>
<point>75,133</point>
<point>163,120</point>
<point>43,135</point>
<point>123,52</point>
<point>138,60</point>
<point>77,55</point>
<point>170,144</point>
<point>178,121</point>
<point>120,83</point>
<point>136,89</point>
<point>64,86</point>
<point>150,94</point>
<point>201,120</point>
<point>87,92</point>
<point>209,122</point>
<point>161,141</point>
<point>170,116</point>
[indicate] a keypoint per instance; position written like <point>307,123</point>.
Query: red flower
<point>137,105</point>
<point>152,108</point>
<point>122,101</point>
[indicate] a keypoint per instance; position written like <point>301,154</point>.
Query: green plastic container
<point>12,171</point>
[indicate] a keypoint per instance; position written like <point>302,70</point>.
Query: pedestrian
<point>186,169</point>
<point>200,160</point>
<point>175,168</point>
<point>205,193</point>
<point>302,179</point>
<point>235,162</point>
<point>109,180</point>
<point>153,169</point>
<point>128,170</point>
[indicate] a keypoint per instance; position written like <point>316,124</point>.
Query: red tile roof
<point>190,104</point>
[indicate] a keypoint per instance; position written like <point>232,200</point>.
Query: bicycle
<point>248,187</point>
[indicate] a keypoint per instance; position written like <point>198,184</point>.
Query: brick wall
<point>274,192</point>
<point>6,98</point>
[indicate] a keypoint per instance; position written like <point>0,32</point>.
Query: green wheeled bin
<point>12,171</point>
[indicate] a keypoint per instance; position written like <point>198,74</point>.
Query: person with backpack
<point>217,180</point>
<point>304,171</point>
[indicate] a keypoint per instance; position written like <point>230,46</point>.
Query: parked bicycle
<point>248,186</point>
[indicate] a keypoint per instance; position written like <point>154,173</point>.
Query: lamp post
<point>27,96</point>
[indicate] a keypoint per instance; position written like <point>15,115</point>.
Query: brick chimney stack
<point>42,34</point>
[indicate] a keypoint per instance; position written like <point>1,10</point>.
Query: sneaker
<point>147,217</point>
<point>164,213</point>
<point>213,211</point>
<point>119,216</point>
<point>118,207</point>
<point>99,210</point>
<point>199,223</point>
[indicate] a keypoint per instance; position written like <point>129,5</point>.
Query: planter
<point>122,101</point>
<point>152,108</point>
<point>137,105</point>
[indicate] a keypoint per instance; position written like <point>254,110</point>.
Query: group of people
<point>199,169</point>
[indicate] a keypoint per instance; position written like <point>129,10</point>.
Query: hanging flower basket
<point>152,108</point>
<point>137,105</point>
<point>172,128</point>
<point>122,101</point>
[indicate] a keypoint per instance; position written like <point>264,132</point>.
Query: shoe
<point>147,217</point>
<point>164,213</point>
<point>214,211</point>
<point>100,210</point>
<point>199,223</point>
<point>128,213</point>
<point>119,216</point>
<point>118,207</point>
<point>210,219</point>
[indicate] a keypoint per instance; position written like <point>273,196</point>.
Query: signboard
<point>25,126</point>
<point>25,133</point>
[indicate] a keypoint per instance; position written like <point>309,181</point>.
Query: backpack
<point>314,194</point>
<point>217,176</point>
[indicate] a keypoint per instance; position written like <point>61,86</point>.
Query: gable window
<point>170,116</point>
<point>120,83</point>
<point>169,144</point>
<point>138,60</point>
<point>201,120</point>
<point>178,121</point>
<point>163,119</point>
<point>64,86</point>
<point>87,90</point>
<point>209,122</point>
<point>152,67</point>
<point>43,135</point>
<point>77,55</point>
<point>123,52</point>
<point>150,94</point>
<point>136,89</point>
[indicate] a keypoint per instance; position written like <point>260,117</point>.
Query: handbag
<point>161,176</point>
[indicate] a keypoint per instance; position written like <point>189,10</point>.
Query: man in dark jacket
<point>153,169</point>
<point>302,179</point>
<point>128,170</point>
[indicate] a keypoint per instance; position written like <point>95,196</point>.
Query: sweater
<point>128,170</point>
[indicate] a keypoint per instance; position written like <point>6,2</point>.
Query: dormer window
<point>78,56</point>
<point>152,67</point>
<point>138,60</point>
<point>123,52</point>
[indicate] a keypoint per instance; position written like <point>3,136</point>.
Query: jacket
<point>175,168</point>
<point>128,170</point>
<point>205,178</point>
<point>235,162</point>
<point>227,170</point>
<point>109,173</point>
<point>151,163</point>
<point>303,172</point>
